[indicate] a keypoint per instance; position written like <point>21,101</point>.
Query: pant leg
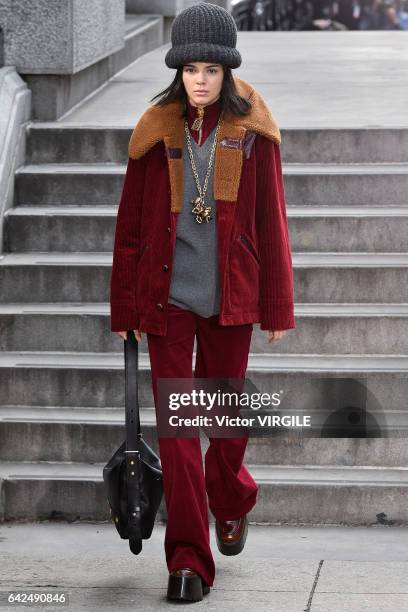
<point>187,537</point>
<point>222,352</point>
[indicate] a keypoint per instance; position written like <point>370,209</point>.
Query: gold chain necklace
<point>200,210</point>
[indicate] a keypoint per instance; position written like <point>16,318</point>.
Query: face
<point>205,77</point>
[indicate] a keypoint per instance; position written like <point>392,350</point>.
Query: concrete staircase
<point>61,369</point>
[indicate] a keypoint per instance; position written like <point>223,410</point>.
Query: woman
<point>202,250</point>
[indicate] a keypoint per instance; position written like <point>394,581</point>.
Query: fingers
<point>138,334</point>
<point>276,335</point>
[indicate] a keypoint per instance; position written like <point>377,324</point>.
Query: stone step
<point>143,33</point>
<point>348,228</point>
<point>334,328</point>
<point>51,141</point>
<point>377,184</point>
<point>67,143</point>
<point>37,433</point>
<point>62,184</point>
<point>66,434</point>
<point>312,228</point>
<point>345,145</point>
<point>369,382</point>
<point>332,277</point>
<point>346,184</point>
<point>292,495</point>
<point>56,228</point>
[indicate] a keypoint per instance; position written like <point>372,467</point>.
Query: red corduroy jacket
<point>254,254</point>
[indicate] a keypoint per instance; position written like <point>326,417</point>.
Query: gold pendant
<point>198,121</point>
<point>201,211</point>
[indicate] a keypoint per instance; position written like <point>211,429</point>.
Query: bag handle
<point>131,353</point>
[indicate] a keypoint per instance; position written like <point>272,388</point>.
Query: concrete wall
<point>168,8</point>
<point>65,49</point>
<point>15,104</point>
<point>62,36</point>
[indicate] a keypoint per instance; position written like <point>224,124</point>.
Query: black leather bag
<point>133,475</point>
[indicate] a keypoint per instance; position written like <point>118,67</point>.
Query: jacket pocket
<point>249,246</point>
<point>243,275</point>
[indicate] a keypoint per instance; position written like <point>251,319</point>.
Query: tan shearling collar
<point>166,123</point>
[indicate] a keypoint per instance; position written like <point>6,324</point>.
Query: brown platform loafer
<point>186,585</point>
<point>231,535</point>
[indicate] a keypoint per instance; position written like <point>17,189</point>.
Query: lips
<point>201,91</point>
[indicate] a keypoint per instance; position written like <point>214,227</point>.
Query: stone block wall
<point>62,36</point>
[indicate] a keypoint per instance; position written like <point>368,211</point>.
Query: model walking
<point>202,251</point>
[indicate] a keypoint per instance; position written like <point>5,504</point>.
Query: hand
<point>138,334</point>
<point>276,335</point>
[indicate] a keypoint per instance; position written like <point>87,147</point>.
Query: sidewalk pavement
<point>309,80</point>
<point>281,569</point>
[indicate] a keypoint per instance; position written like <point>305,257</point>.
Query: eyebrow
<point>209,66</point>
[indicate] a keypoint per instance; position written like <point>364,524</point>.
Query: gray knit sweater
<point>195,279</point>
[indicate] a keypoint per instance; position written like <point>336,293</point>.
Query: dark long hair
<point>230,100</point>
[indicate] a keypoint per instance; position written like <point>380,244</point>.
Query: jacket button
<point>165,267</point>
<point>169,229</point>
<point>160,306</point>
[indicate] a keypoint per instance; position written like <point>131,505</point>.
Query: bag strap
<point>131,351</point>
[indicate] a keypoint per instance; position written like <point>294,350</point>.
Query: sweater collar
<point>210,118</point>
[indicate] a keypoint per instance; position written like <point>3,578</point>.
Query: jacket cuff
<point>124,317</point>
<point>278,316</point>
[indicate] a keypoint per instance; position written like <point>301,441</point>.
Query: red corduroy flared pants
<point>222,352</point>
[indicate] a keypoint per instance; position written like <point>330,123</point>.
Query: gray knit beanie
<point>203,32</point>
